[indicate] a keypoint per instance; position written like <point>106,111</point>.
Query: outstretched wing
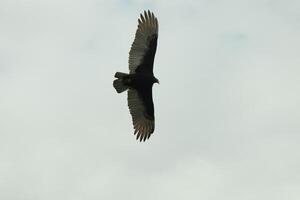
<point>142,111</point>
<point>142,52</point>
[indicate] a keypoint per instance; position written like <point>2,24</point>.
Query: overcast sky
<point>227,109</point>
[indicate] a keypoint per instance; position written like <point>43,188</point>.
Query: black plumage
<point>140,79</point>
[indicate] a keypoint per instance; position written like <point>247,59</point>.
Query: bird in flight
<point>140,79</point>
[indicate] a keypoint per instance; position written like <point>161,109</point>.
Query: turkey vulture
<point>140,79</point>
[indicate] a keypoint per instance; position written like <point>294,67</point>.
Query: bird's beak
<point>158,81</point>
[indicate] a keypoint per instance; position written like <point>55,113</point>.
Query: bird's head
<point>156,80</point>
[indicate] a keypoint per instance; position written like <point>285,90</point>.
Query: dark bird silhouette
<point>140,79</point>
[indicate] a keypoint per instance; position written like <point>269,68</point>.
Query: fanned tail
<point>120,75</point>
<point>118,83</point>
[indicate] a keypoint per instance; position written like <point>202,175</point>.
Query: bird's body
<point>140,80</point>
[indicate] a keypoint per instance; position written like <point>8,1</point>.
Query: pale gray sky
<point>227,109</point>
